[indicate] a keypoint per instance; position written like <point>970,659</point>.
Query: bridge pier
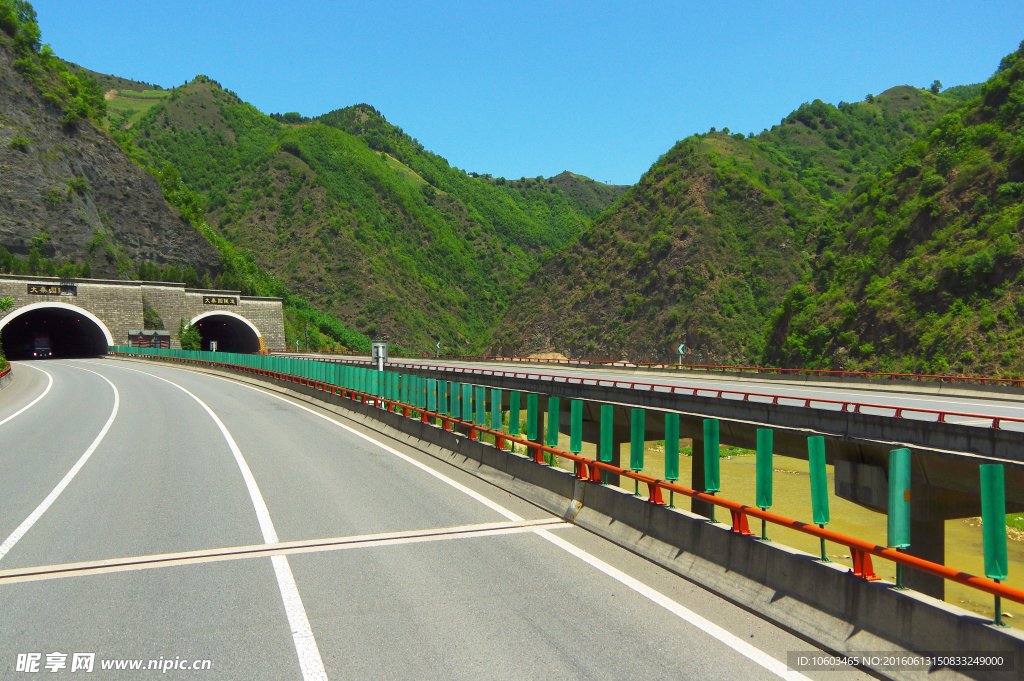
<point>928,541</point>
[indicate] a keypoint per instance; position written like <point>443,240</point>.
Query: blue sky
<point>533,88</point>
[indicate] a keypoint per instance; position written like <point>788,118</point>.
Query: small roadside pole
<point>993,528</point>
<point>712,479</point>
<point>671,453</point>
<point>764,475</point>
<point>899,506</point>
<point>636,446</point>
<point>819,486</point>
<point>379,352</point>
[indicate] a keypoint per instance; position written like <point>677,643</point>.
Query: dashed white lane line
<point>310,661</point>
<point>27,524</point>
<point>752,653</point>
<point>31,404</point>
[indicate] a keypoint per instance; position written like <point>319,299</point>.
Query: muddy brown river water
<point>792,498</point>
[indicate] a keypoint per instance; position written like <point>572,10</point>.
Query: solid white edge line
<point>33,402</point>
<point>27,524</point>
<point>310,661</point>
<point>753,653</point>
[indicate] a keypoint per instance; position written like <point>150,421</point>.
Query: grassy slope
<point>395,243</point>
<point>920,268</point>
<point>703,248</point>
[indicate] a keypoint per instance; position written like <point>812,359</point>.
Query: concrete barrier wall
<point>6,378</point>
<point>820,602</point>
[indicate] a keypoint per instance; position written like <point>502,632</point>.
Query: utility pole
<point>307,335</point>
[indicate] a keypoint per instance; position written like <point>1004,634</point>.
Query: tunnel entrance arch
<point>231,331</point>
<point>53,330</point>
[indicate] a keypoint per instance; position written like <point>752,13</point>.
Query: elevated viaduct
<point>947,449</point>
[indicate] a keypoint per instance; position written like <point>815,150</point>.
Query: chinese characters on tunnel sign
<point>53,289</point>
<point>219,300</point>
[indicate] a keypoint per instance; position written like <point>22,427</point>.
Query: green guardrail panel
<point>819,479</point>
<point>765,450</point>
<point>552,422</point>
<point>672,447</point>
<point>898,521</point>
<point>605,453</point>
<point>480,400</point>
<point>712,478</point>
<point>576,426</point>
<point>532,411</point>
<point>637,441</point>
<point>993,519</point>
<point>467,403</point>
<point>496,409</point>
<point>514,411</point>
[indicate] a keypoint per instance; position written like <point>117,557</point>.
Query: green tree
<point>5,306</point>
<point>189,336</point>
<point>935,87</point>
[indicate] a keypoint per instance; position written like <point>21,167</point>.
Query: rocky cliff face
<point>71,192</point>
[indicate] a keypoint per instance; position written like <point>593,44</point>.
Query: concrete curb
<point>7,378</point>
<point>821,603</point>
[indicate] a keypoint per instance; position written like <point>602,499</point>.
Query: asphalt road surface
<point>909,395</point>
<point>152,515</point>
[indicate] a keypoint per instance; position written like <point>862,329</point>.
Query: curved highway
<point>908,395</point>
<point>154,515</point>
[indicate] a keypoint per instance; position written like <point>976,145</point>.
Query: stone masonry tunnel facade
<point>110,309</point>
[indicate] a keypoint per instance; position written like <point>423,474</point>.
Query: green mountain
<point>71,203</point>
<point>351,214</point>
<point>703,248</point>
<point>920,268</point>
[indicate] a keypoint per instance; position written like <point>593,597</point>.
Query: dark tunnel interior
<point>52,332</point>
<point>231,334</point>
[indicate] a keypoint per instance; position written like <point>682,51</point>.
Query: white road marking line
<point>33,402</point>
<point>707,626</point>
<point>310,661</point>
<point>739,645</point>
<point>164,560</point>
<point>27,524</point>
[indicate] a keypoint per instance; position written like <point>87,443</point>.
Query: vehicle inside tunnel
<point>52,332</point>
<point>230,333</point>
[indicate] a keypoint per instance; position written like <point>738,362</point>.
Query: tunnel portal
<point>230,332</point>
<point>47,332</point>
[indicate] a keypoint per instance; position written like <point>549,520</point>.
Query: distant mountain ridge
<point>705,246</point>
<point>368,227</point>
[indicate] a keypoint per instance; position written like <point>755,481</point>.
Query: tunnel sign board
<point>53,289</point>
<point>219,300</point>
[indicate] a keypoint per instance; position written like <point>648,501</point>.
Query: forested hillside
<point>703,248</point>
<point>368,227</point>
<point>920,268</point>
<point>71,203</point>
